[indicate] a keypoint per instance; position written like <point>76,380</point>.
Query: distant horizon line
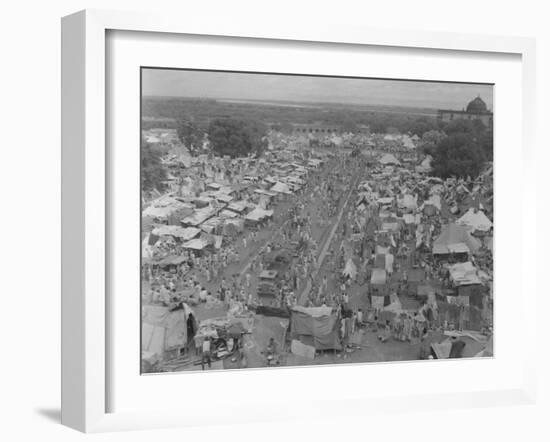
<point>266,100</point>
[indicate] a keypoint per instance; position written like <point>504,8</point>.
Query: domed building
<point>475,110</point>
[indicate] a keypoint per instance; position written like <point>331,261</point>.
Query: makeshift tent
<point>163,331</point>
<point>211,224</point>
<point>476,220</point>
<point>409,218</point>
<point>238,206</point>
<point>385,201</point>
<point>182,233</point>
<point>258,214</point>
<point>166,208</point>
<point>426,165</point>
<point>195,244</point>
<point>434,202</point>
<point>408,202</point>
<point>350,269</point>
<point>389,263</point>
<point>472,345</point>
<point>464,274</point>
<point>222,197</point>
<point>407,142</point>
<point>265,192</point>
<point>146,248</point>
<point>170,260</point>
<point>455,239</point>
<point>390,227</point>
<point>388,159</point>
<point>378,277</point>
<point>228,214</point>
<point>233,226</point>
<point>280,188</point>
<point>315,326</point>
<point>198,217</point>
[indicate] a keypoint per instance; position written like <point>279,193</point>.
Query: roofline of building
<point>464,112</point>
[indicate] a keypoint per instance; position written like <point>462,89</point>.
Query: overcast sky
<point>181,83</point>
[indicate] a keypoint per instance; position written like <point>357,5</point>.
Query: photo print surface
<point>292,220</point>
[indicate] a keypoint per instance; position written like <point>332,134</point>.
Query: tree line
<point>460,148</point>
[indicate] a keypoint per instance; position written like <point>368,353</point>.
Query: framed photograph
<point>284,221</point>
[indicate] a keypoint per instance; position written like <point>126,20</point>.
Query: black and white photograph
<point>295,220</point>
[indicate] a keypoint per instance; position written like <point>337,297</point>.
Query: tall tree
<point>422,125</point>
<point>152,171</point>
<point>236,138</point>
<point>430,140</point>
<point>190,133</point>
<point>458,155</point>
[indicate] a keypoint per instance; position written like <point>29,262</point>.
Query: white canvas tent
<point>408,202</point>
<point>258,214</point>
<point>176,231</point>
<point>464,274</point>
<point>455,239</point>
<point>163,330</point>
<point>476,219</point>
<point>350,269</point>
<point>389,159</point>
<point>280,188</point>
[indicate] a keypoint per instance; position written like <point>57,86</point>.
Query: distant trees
<point>377,127</point>
<point>236,138</point>
<point>468,144</point>
<point>430,140</point>
<point>152,172</point>
<point>190,133</point>
<point>460,125</point>
<point>422,125</point>
<point>348,124</point>
<point>458,155</point>
<point>284,127</point>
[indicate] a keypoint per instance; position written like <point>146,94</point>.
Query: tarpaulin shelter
<point>378,277</point>
<point>198,217</point>
<point>388,159</point>
<point>182,233</point>
<point>227,214</point>
<point>168,209</point>
<point>425,166</point>
<point>315,326</point>
<point>258,214</point>
<point>432,205</point>
<point>467,345</point>
<point>163,332</point>
<point>408,202</point>
<point>238,206</point>
<point>464,274</point>
<point>212,224</point>
<point>280,188</point>
<point>195,244</point>
<point>476,220</point>
<point>455,239</point>
<point>350,269</point>
<point>233,226</point>
<point>170,260</point>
